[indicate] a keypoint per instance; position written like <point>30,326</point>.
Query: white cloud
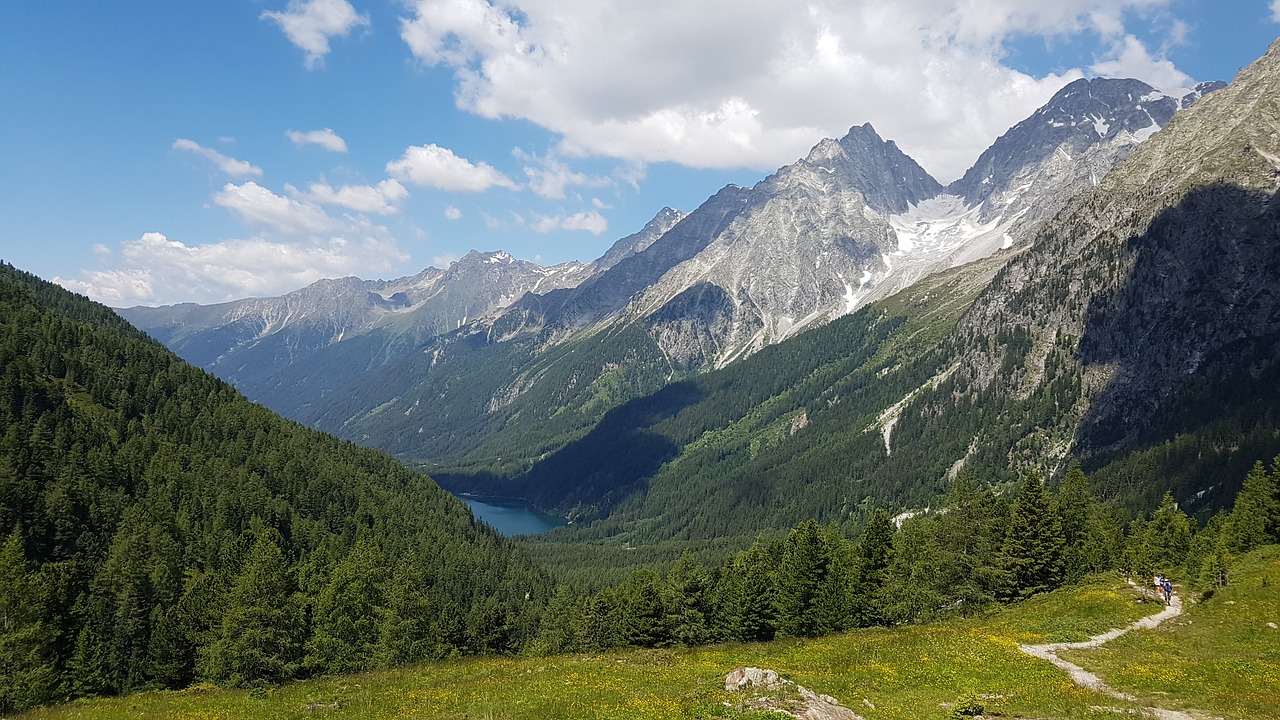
<point>382,199</point>
<point>228,165</point>
<point>259,207</point>
<point>437,167</point>
<point>452,213</point>
<point>590,221</point>
<point>599,204</point>
<point>310,23</point>
<point>1130,58</point>
<point>733,83</point>
<point>154,269</point>
<point>326,138</point>
<point>549,175</point>
<point>1275,10</point>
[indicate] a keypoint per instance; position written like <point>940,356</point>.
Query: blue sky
<point>157,151</point>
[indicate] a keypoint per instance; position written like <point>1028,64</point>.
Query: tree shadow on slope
<point>595,472</point>
<point>1193,335</point>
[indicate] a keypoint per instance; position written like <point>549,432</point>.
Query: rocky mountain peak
<point>887,179</point>
<point>1085,113</point>
<point>639,241</point>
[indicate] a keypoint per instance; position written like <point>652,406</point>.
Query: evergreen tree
<point>745,596</point>
<point>802,571</point>
<point>648,621</point>
<point>1168,536</point>
<point>690,585</point>
<point>1074,504</point>
<point>27,666</point>
<point>833,607</point>
<point>561,630</point>
<point>1137,557</point>
<point>872,562</point>
<point>1033,546</point>
<point>408,625</point>
<point>1255,519</point>
<point>262,630</point>
<point>345,618</point>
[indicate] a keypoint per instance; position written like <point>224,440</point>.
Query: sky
<point>156,152</point>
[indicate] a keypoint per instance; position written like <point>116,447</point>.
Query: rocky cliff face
<point>1154,296</point>
<point>857,221</point>
<point>799,250</point>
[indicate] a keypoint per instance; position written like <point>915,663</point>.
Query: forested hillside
<point>158,528</point>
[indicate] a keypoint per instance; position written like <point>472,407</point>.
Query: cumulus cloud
<point>590,221</point>
<point>437,167</point>
<point>228,165</point>
<point>310,23</point>
<point>549,175</point>
<point>733,83</point>
<point>1130,58</point>
<point>154,269</point>
<point>1275,10</point>
<point>259,207</point>
<point>326,138</point>
<point>381,199</point>
<point>452,213</point>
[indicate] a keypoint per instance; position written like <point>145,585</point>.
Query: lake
<point>511,516</point>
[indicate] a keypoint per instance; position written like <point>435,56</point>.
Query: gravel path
<point>1086,679</point>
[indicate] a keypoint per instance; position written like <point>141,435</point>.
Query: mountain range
<point>999,323</point>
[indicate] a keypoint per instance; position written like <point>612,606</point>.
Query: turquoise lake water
<point>511,516</point>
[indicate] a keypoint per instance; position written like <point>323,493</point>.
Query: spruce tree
<point>408,624</point>
<point>745,596</point>
<point>873,557</point>
<point>27,666</point>
<point>1255,519</point>
<point>801,574</point>
<point>1168,536</point>
<point>690,585</point>
<point>1033,546</point>
<point>262,630</point>
<point>345,618</point>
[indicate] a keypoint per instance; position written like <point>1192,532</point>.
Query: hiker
<point>1166,586</point>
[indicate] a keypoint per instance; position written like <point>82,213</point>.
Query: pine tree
<point>1255,519</point>
<point>27,666</point>
<point>261,633</point>
<point>691,587</point>
<point>873,558</point>
<point>1168,536</point>
<point>801,574</point>
<point>345,619</point>
<point>408,625</point>
<point>1033,545</point>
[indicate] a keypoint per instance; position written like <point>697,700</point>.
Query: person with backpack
<point>1166,586</point>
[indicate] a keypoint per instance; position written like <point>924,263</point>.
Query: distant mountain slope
<point>170,530</point>
<point>262,345</point>
<point>747,268</point>
<point>1139,331</point>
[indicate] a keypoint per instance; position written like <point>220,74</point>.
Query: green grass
<point>888,673</point>
<point>1220,657</point>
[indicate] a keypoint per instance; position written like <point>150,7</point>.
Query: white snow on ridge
<point>1101,126</point>
<point>938,226</point>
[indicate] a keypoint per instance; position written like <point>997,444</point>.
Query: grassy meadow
<point>1218,657</point>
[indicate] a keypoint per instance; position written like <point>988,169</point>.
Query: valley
<point>908,445</point>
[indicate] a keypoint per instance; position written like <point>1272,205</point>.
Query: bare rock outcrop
<point>784,696</point>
